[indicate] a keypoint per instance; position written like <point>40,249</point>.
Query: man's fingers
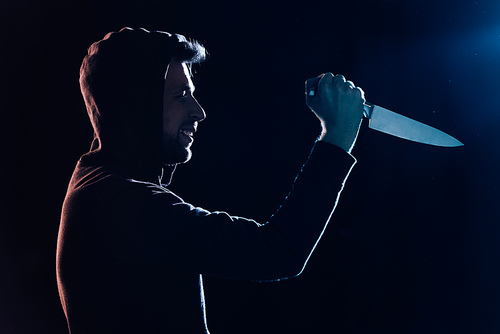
<point>339,79</point>
<point>361,93</point>
<point>319,83</point>
<point>355,90</point>
<point>326,79</point>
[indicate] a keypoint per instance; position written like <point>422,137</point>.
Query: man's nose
<point>197,111</point>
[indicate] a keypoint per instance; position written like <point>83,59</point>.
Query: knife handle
<point>368,109</point>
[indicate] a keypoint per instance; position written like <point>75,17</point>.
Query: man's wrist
<point>342,141</point>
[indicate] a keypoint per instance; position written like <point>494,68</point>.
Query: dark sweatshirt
<point>130,252</point>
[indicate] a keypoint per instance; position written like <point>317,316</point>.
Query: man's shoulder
<point>104,182</point>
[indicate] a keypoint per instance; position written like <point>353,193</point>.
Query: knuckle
<point>326,78</point>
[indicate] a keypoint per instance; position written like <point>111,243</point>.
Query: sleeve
<point>180,235</point>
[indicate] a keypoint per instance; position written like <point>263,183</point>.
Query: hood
<point>122,81</point>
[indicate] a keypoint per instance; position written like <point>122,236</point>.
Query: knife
<point>394,124</point>
<point>389,122</point>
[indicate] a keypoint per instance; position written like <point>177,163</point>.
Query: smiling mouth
<point>188,133</point>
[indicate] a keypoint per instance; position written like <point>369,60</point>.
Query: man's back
<point>107,281</point>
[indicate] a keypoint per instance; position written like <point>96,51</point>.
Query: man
<point>130,252</point>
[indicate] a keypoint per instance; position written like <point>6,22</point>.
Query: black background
<point>413,246</point>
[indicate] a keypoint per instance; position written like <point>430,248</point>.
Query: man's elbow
<point>294,268</point>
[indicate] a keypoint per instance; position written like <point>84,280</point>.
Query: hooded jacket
<point>130,252</point>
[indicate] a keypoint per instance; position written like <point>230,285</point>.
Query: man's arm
<point>181,236</point>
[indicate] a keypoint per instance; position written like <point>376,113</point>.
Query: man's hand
<point>339,106</point>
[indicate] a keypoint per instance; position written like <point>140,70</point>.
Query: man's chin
<point>177,156</point>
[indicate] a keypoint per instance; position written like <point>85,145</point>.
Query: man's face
<point>181,114</point>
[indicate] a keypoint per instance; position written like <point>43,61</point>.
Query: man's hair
<point>189,51</point>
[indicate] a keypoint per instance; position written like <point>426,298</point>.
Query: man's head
<point>127,80</point>
<point>181,114</point>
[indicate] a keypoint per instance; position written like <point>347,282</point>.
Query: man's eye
<point>184,94</point>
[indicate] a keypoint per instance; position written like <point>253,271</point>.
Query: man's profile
<point>131,253</point>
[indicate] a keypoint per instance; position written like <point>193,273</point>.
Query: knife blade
<point>386,121</point>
